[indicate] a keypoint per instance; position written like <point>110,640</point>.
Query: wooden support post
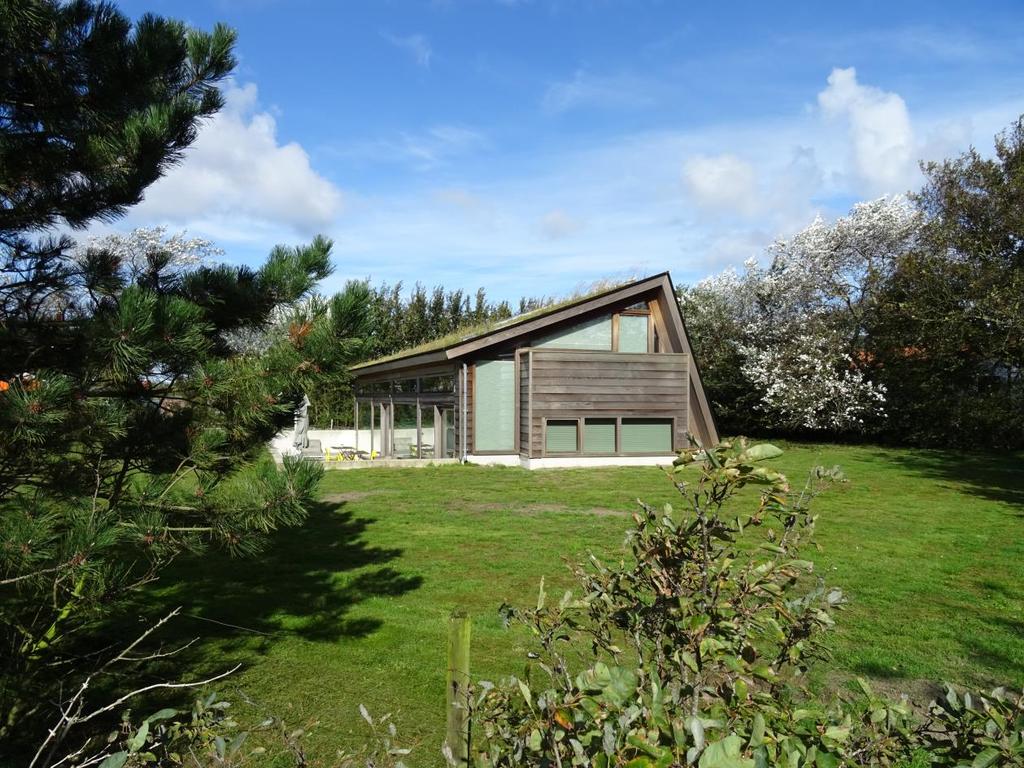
<point>458,696</point>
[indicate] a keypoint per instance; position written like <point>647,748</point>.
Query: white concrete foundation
<point>501,460</point>
<point>567,462</point>
<point>281,445</point>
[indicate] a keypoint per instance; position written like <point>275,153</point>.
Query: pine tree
<point>131,428</point>
<point>93,109</point>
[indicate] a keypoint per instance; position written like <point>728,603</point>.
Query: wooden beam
<point>458,688</point>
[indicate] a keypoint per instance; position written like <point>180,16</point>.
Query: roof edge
<point>511,328</point>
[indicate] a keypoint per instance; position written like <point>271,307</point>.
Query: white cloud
<point>486,225</point>
<point>722,182</point>
<point>604,92</point>
<point>238,177</point>
<point>422,150</point>
<point>557,224</point>
<point>433,147</point>
<point>693,199</point>
<point>882,140</point>
<point>416,45</point>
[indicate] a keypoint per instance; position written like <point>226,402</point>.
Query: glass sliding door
<point>428,442</point>
<point>385,429</point>
<point>404,431</point>
<point>449,441</point>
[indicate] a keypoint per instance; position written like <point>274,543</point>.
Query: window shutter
<point>599,436</point>
<point>646,435</point>
<point>560,437</point>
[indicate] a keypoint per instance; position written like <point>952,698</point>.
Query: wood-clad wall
<point>524,402</point>
<point>570,384</point>
<point>470,405</point>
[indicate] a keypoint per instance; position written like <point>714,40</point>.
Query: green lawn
<point>352,607</point>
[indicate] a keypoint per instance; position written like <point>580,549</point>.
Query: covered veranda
<point>406,418</point>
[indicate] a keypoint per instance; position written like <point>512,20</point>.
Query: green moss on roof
<point>478,330</point>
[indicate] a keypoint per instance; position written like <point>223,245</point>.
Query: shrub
<point>694,649</point>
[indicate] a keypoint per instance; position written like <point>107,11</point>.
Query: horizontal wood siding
<point>470,404</point>
<point>524,401</point>
<point>573,384</point>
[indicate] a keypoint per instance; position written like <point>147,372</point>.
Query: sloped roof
<point>481,335</point>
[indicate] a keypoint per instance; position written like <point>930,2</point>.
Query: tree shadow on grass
<point>305,583</point>
<point>996,476</point>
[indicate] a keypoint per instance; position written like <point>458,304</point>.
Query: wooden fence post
<point>458,697</point>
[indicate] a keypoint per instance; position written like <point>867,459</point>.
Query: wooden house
<point>608,378</point>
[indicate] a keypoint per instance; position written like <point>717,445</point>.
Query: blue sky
<point>534,147</point>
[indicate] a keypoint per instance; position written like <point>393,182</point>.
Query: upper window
<point>590,334</point>
<point>633,333</point>
<point>626,331</point>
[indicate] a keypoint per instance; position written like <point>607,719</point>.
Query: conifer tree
<point>93,108</point>
<point>130,429</point>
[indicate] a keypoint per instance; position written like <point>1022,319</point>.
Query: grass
<point>475,330</point>
<point>351,608</point>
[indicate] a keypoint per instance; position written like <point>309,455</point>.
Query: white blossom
<point>134,249</point>
<point>799,321</point>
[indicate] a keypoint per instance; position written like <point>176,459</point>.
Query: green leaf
<point>139,739</point>
<point>115,760</point>
<point>760,452</point>
<point>697,731</point>
<point>689,660</point>
<point>534,742</point>
<point>985,758</point>
<point>163,714</point>
<point>740,689</point>
<point>725,754</point>
<point>757,731</point>
<point>621,685</point>
<point>237,742</point>
<point>836,733</point>
<point>865,687</point>
<point>525,690</point>
<point>645,746</point>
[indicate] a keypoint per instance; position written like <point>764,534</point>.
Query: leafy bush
<point>694,649</point>
<point>214,734</point>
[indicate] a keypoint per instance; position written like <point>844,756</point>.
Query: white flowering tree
<point>798,324</point>
<point>137,250</point>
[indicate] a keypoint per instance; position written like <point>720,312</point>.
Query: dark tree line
<point>398,320</point>
<point>407,319</point>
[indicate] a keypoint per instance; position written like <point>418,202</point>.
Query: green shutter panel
<point>494,408</point>
<point>632,333</point>
<point>593,334</point>
<point>646,435</point>
<point>560,437</point>
<point>599,436</point>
